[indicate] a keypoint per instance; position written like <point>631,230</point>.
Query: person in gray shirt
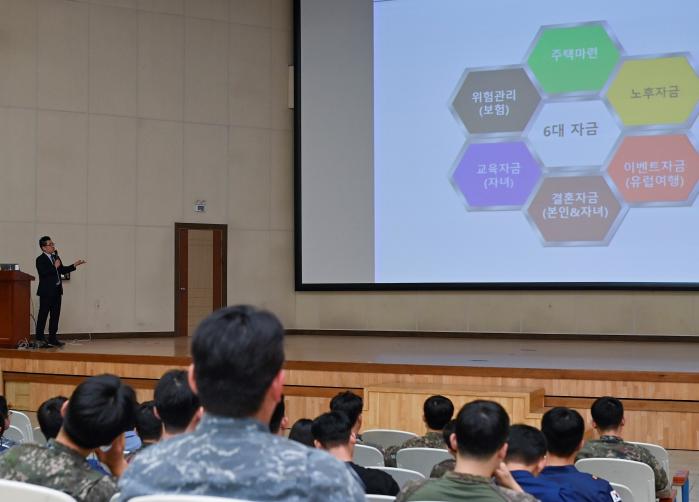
<point>237,354</point>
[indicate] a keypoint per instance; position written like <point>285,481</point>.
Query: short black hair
<point>301,432</point>
<point>481,429</point>
<point>332,429</point>
<point>525,444</point>
<point>148,426</point>
<point>49,416</point>
<point>44,240</point>
<point>175,401</point>
<point>275,422</point>
<point>348,403</point>
<point>438,411</point>
<point>564,429</point>
<point>100,408</point>
<point>4,410</point>
<point>447,431</point>
<point>237,353</point>
<point>607,412</point>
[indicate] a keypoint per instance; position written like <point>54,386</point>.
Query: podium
<point>15,294</point>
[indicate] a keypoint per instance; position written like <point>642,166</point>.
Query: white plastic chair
<point>623,491</point>
<point>183,498</point>
<point>20,420</point>
<point>387,437</point>
<point>660,455</point>
<point>402,476</point>
<point>367,456</point>
<point>25,492</point>
<point>14,433</point>
<point>421,460</point>
<point>39,437</point>
<point>378,498</point>
<point>637,476</point>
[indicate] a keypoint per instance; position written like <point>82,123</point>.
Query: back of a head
<point>100,408</point>
<point>301,432</point>
<point>49,416</point>
<point>175,401</point>
<point>148,426</point>
<point>481,429</point>
<point>237,353</point>
<point>4,410</point>
<point>525,444</point>
<point>438,410</point>
<point>348,403</point>
<point>564,429</point>
<point>332,429</point>
<point>607,412</point>
<point>275,423</point>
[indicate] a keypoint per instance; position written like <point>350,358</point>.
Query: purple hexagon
<point>496,175</point>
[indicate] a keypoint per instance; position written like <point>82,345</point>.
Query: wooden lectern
<point>15,296</point>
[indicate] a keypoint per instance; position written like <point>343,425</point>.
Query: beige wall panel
<point>111,278</point>
<point>18,244</point>
<point>206,71</point>
<point>113,60</point>
<point>307,310</point>
<point>249,178</point>
<point>280,284</point>
<point>206,172</point>
<point>207,9</point>
<point>600,312</point>
<point>344,311</point>
<point>17,164</point>
<point>282,58</point>
<point>250,76</point>
<point>160,66</point>
<point>669,313</point>
<point>132,4</point>
<point>62,167</point>
<point>282,181</point>
<point>252,12</point>
<point>154,280</point>
<point>111,193</point>
<point>62,55</point>
<point>495,312</point>
<point>549,312</point>
<point>18,53</point>
<point>160,172</point>
<point>441,312</point>
<point>298,407</point>
<point>282,14</point>
<point>163,6</point>
<point>248,267</point>
<point>391,311</point>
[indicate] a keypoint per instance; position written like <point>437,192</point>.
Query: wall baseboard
<point>117,334</point>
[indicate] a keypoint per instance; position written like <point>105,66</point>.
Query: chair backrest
<point>183,498</point>
<point>659,453</point>
<point>387,437</point>
<point>367,456</point>
<point>25,492</point>
<point>378,498</point>
<point>39,437</point>
<point>14,433</point>
<point>421,460</point>
<point>20,420</point>
<point>637,476</point>
<point>623,491</point>
<point>401,476</point>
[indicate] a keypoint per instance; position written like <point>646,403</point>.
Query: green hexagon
<point>573,59</point>
<point>653,91</point>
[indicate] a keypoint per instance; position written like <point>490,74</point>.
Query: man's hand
<point>503,477</point>
<point>114,458</point>
<point>79,262</point>
<point>57,262</point>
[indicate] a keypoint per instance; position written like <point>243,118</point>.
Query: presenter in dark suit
<point>50,291</point>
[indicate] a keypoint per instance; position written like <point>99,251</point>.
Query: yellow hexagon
<point>655,91</point>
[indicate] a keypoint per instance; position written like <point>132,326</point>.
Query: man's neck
<point>610,432</point>
<point>556,461</point>
<point>475,467</point>
<point>342,452</point>
<point>63,439</point>
<point>517,466</point>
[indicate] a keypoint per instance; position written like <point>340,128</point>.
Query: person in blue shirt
<point>526,458</point>
<point>564,429</point>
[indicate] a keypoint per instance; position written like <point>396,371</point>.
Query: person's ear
<point>594,425</point>
<point>64,408</point>
<point>623,422</point>
<point>353,438</point>
<point>502,452</point>
<point>453,444</point>
<point>284,424</point>
<point>317,444</point>
<point>155,412</point>
<point>191,380</point>
<point>539,466</point>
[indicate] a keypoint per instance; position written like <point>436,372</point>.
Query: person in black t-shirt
<point>332,432</point>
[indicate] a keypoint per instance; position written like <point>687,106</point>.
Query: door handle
<point>183,289</point>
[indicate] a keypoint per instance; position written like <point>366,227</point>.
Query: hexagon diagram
<point>575,211</point>
<point>573,134</point>
<point>573,59</point>
<point>652,170</point>
<point>495,101</point>
<point>653,91</point>
<point>496,175</point>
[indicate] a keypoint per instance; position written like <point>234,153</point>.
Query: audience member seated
<point>481,435</point>
<point>301,432</point>
<point>237,354</point>
<point>526,458</point>
<point>148,426</point>
<point>564,429</point>
<point>97,414</point>
<point>279,421</point>
<point>437,411</point>
<point>5,444</point>
<point>447,465</point>
<point>332,432</point>
<point>176,405</point>
<point>351,405</point>
<point>608,420</point>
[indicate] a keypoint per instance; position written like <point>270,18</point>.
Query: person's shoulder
<point>416,488</point>
<point>514,496</point>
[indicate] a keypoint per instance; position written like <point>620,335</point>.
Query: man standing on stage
<point>50,290</point>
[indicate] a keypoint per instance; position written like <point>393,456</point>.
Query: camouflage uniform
<point>429,440</point>
<point>454,486</point>
<point>615,447</point>
<point>442,468</point>
<point>239,458</point>
<point>6,444</point>
<point>59,467</point>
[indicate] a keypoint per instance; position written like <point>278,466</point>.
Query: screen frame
<point>299,285</point>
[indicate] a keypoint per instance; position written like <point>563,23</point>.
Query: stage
<point>658,381</point>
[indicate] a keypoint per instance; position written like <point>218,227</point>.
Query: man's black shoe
<point>54,342</point>
<point>41,344</point>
